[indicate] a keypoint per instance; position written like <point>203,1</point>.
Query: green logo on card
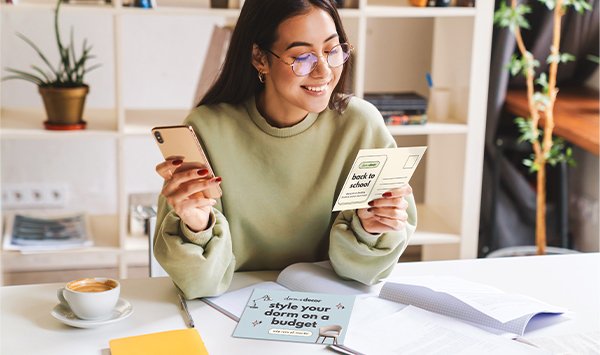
<point>368,165</point>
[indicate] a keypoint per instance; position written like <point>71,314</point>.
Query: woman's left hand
<point>387,213</point>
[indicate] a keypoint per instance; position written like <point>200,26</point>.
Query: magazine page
<point>470,301</point>
<point>305,317</point>
<point>422,332</point>
<point>232,303</point>
<point>304,277</point>
<point>320,277</point>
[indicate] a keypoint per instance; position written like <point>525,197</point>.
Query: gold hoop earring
<point>261,77</point>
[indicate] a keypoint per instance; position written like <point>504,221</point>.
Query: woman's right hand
<point>183,190</point>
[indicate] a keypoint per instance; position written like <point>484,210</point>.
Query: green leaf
<point>39,52</point>
<point>526,129</point>
<point>506,16</point>
<point>566,57</point>
<point>560,152</point>
<point>14,77</point>
<point>579,5</point>
<point>39,70</point>
<point>515,65</point>
<point>593,58</point>
<point>550,4</point>
<point>541,100</point>
<point>542,81</point>
<point>26,76</point>
<point>560,58</point>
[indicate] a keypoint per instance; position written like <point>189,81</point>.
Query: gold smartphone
<point>181,142</point>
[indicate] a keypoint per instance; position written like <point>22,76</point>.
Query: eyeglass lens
<point>305,63</point>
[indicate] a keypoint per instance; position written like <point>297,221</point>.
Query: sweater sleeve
<point>201,264</point>
<point>358,255</point>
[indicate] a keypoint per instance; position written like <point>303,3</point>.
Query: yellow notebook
<point>181,342</point>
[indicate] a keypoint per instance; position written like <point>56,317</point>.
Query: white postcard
<point>376,171</point>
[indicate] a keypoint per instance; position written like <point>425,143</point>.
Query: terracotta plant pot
<point>64,106</point>
<point>418,3</point>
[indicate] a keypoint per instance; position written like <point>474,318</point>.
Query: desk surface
<point>571,281</point>
<point>576,115</point>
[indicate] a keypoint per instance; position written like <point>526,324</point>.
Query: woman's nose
<point>322,67</point>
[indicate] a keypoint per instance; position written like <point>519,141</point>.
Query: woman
<point>281,137</point>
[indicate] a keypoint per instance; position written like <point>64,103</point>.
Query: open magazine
<point>479,304</point>
<point>301,277</point>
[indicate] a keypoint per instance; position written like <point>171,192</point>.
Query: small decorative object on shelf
<point>219,4</point>
<point>418,3</point>
<point>144,4</point>
<point>142,206</point>
<point>62,88</point>
<point>87,2</point>
<point>465,3</point>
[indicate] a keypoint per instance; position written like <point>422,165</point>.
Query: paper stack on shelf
<point>401,108</point>
<point>42,231</point>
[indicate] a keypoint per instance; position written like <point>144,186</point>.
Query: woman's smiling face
<point>288,98</point>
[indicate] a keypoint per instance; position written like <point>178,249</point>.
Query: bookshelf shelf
<point>88,258</point>
<point>180,10</point>
<point>453,45</point>
<point>25,123</point>
<point>428,128</point>
<point>378,11</point>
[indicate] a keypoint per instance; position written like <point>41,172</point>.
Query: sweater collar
<point>264,126</point>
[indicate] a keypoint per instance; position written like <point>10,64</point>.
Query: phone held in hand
<point>181,142</point>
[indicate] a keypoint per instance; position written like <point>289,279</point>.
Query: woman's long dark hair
<point>257,23</point>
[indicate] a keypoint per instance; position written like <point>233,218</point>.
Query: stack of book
<point>401,108</point>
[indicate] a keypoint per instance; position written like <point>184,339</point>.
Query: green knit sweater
<point>279,186</point>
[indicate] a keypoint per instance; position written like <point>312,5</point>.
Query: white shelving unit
<point>396,44</point>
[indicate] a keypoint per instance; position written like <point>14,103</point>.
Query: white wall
<point>37,25</point>
<point>87,167</point>
<point>162,59</point>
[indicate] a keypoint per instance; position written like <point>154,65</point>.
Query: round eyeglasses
<point>305,63</point>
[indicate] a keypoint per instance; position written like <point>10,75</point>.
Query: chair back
<point>330,330</point>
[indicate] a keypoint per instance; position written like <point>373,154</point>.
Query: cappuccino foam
<point>91,285</point>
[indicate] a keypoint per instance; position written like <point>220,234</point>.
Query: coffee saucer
<point>64,314</point>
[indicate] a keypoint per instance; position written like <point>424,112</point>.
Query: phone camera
<point>158,137</point>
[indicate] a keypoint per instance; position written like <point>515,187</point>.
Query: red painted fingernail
<point>202,172</point>
<point>177,162</point>
<point>218,179</point>
<point>371,203</point>
<point>387,194</point>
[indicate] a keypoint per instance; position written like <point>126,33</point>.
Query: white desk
<point>571,281</point>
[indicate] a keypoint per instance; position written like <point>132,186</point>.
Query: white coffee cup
<point>92,298</point>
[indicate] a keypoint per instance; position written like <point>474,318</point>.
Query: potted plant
<point>541,99</point>
<point>62,88</point>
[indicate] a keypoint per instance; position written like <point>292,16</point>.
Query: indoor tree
<point>541,96</point>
